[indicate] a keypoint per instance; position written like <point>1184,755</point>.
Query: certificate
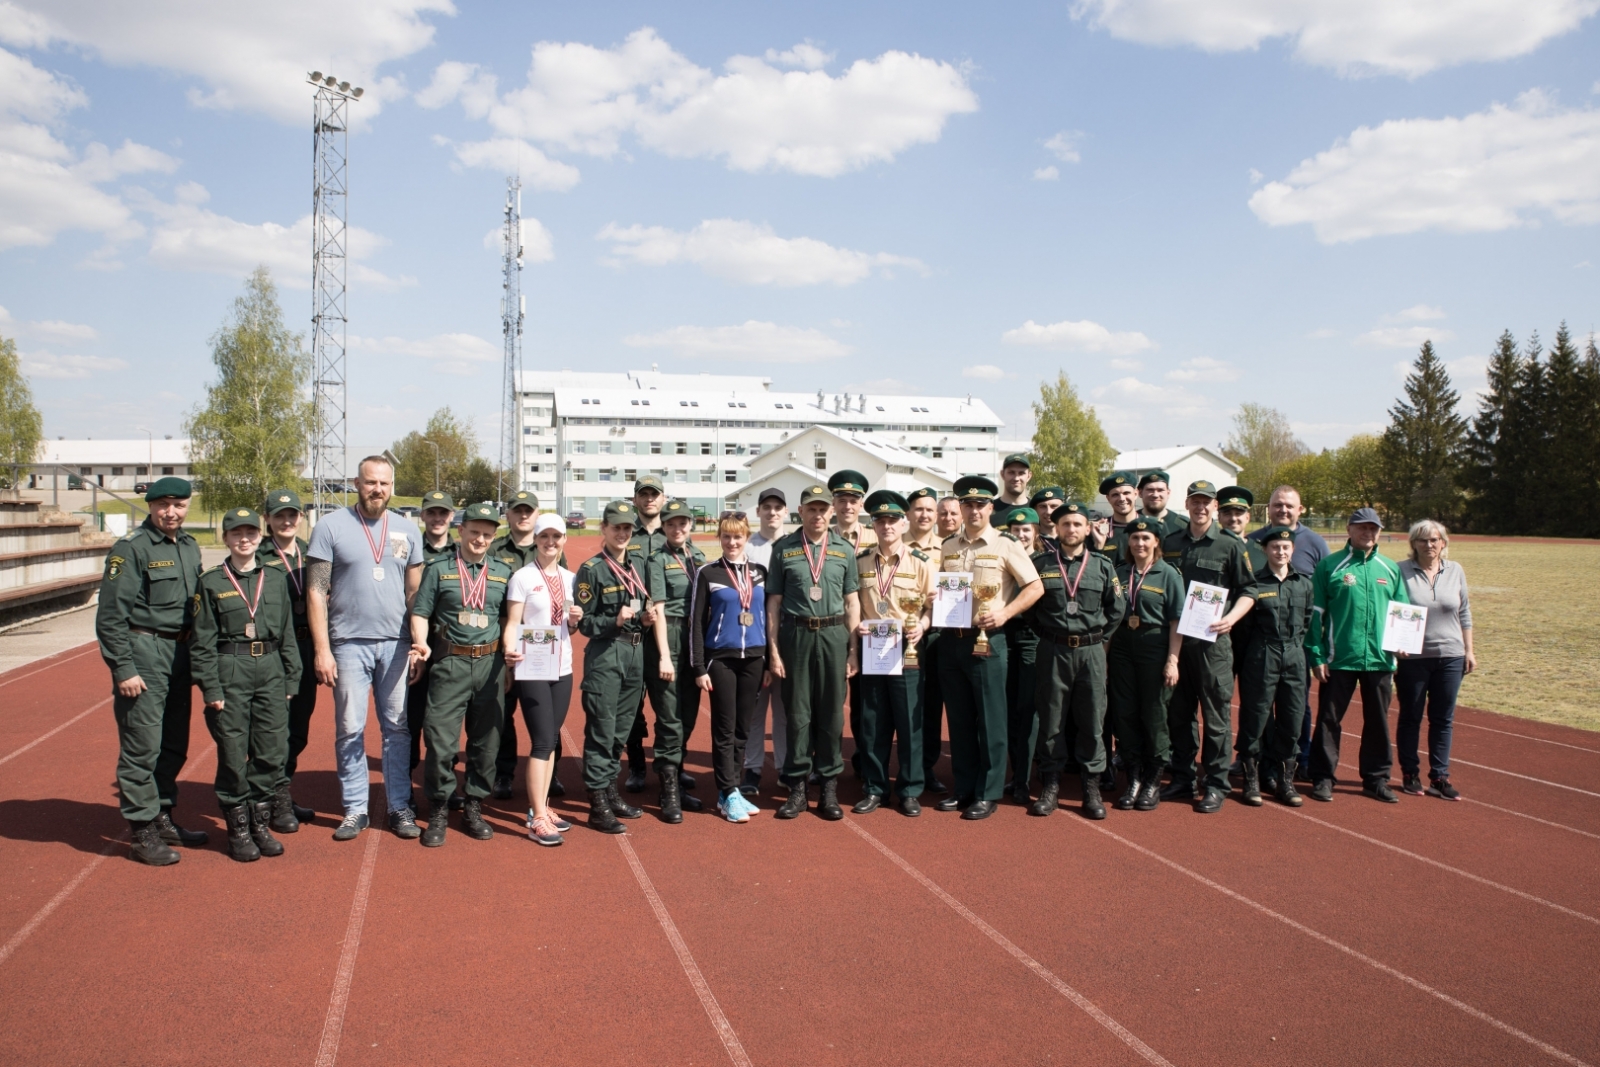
<point>1204,605</point>
<point>1403,628</point>
<point>952,599</point>
<point>541,654</point>
<point>882,651</point>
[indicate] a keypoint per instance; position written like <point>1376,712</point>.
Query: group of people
<point>1069,659</point>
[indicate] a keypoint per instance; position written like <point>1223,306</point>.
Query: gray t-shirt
<point>758,549</point>
<point>361,607</point>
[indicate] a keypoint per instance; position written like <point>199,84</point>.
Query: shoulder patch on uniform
<point>194,604</point>
<point>585,592</point>
<point>114,566</point>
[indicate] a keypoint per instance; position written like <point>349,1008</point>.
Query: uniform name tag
<point>153,564</point>
<point>226,595</point>
<point>1264,596</point>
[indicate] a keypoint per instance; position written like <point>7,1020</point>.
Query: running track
<point>1426,933</point>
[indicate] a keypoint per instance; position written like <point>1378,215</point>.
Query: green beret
<point>1017,516</point>
<point>522,498</point>
<point>886,504</point>
<point>1145,524</point>
<point>1017,459</point>
<point>239,517</point>
<point>1154,476</point>
<point>812,493</point>
<point>1277,533</point>
<point>168,486</point>
<point>917,494</point>
<point>484,512</point>
<point>433,498</point>
<point>282,500</point>
<point>1074,507</point>
<point>1235,496</point>
<point>620,513</point>
<point>848,481</point>
<point>1049,492</point>
<point>1114,479</point>
<point>648,481</point>
<point>1201,488</point>
<point>676,509</point>
<point>975,487</point>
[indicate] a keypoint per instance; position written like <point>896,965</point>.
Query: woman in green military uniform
<point>674,694</point>
<point>1272,673</point>
<point>247,662</point>
<point>282,548</point>
<point>1142,662</point>
<point>1022,653</point>
<point>461,603</point>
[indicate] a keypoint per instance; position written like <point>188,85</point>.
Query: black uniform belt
<point>474,651</point>
<point>166,635</point>
<point>246,648</point>
<point>1069,640</point>
<point>813,623</point>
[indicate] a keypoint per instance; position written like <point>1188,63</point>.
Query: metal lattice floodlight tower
<point>329,191</point>
<point>512,308</point>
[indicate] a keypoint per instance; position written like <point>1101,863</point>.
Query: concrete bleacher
<point>49,562</point>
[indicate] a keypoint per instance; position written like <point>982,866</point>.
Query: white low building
<point>815,455</point>
<point>1184,464</point>
<point>109,463</point>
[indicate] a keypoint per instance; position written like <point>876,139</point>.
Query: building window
<point>819,460</point>
<point>730,476</point>
<point>630,475</point>
<point>141,472</point>
<point>705,448</point>
<point>606,473</point>
<point>680,476</point>
<point>730,450</point>
<point>580,476</point>
<point>86,471</point>
<point>682,448</point>
<point>655,448</point>
<point>115,471</point>
<point>938,452</point>
<point>755,450</point>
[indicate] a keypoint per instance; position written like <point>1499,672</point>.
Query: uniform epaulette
<point>864,552</point>
<point>919,554</point>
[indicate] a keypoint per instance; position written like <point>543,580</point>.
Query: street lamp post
<point>435,462</point>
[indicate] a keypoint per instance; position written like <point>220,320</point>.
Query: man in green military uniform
<point>1233,515</point>
<point>1154,490</point>
<point>461,605</point>
<point>674,695</point>
<point>1117,488</point>
<point>142,626</point>
<point>849,491</point>
<point>1022,652</point>
<point>1202,552</point>
<point>617,615</point>
<point>247,663</point>
<point>516,549</point>
<point>1016,471</point>
<point>813,608</point>
<point>1080,608</point>
<point>1272,676</point>
<point>649,498</point>
<point>1045,502</point>
<point>438,511</point>
<point>946,521</point>
<point>283,550</point>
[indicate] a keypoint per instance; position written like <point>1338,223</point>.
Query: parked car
<point>410,511</point>
<point>576,520</point>
<point>139,487</point>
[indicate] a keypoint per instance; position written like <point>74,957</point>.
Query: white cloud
<point>1064,146</point>
<point>985,372</point>
<point>1417,313</point>
<point>1403,336</point>
<point>1255,176</point>
<point>1130,406</point>
<point>48,329</point>
<point>1124,363</point>
<point>538,246</point>
<point>1405,37</point>
<point>1046,174</point>
<point>512,155</point>
<point>461,354</point>
<point>1204,369</point>
<point>50,365</point>
<point>755,116</point>
<point>766,342</point>
<point>1491,170</point>
<point>749,253</point>
<point>1084,336</point>
<point>244,56</point>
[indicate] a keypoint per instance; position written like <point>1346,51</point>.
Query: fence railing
<point>135,507</point>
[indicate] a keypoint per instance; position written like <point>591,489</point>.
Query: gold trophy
<point>910,601</point>
<point>983,591</point>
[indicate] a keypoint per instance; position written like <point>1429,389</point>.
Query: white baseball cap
<point>548,521</point>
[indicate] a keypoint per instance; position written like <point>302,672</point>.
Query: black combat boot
<point>472,823</point>
<point>828,806</point>
<point>1286,792</point>
<point>796,803</point>
<point>173,834</point>
<point>284,819</point>
<point>261,829</point>
<point>438,822</point>
<point>1130,795</point>
<point>1021,792</point>
<point>1093,806</point>
<point>148,846</point>
<point>600,815</point>
<point>671,804</point>
<point>1252,781</point>
<point>635,782</point>
<point>1150,791</point>
<point>240,845</point>
<point>619,807</point>
<point>1049,794</point>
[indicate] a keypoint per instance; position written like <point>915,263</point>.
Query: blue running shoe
<point>744,803</point>
<point>729,808</point>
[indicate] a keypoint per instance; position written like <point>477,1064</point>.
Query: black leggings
<point>544,709</point>
<point>735,685</point>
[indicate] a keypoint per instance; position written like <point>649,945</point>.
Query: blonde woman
<point>1429,682</point>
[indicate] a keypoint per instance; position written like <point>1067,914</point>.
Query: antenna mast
<point>512,307</point>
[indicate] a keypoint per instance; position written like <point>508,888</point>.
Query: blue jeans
<point>1430,682</point>
<point>378,668</point>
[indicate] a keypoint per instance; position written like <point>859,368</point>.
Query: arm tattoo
<point>319,573</point>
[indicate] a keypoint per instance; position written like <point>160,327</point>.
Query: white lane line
<point>1441,866</point>
<point>42,738</point>
<point>1524,777</point>
<point>1082,1002</point>
<point>333,1024</point>
<point>1528,737</point>
<point>1459,1005</point>
<point>56,660</point>
<point>1533,818</point>
<point>702,989</point>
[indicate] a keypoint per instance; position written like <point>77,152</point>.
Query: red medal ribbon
<point>1083,558</point>
<point>377,546</point>
<point>474,594</point>
<point>228,570</point>
<point>747,588</point>
<point>629,578</point>
<point>817,564</point>
<point>557,588</point>
<point>296,577</point>
<point>1135,583</point>
<point>886,587</point>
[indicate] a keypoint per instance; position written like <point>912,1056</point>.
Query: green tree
<point>252,433</point>
<point>1070,448</point>
<point>1421,447</point>
<point>480,481</point>
<point>1488,495</point>
<point>1313,476</point>
<point>1358,473</point>
<point>1261,442</point>
<point>1568,459</point>
<point>21,426</point>
<point>1587,508</point>
<point>416,469</point>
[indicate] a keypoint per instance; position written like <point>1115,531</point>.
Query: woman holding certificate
<point>540,612</point>
<point>728,655</point>
<point>1142,661</point>
<point>1429,682</point>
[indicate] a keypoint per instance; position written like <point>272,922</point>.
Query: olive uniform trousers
<point>1137,699</point>
<point>891,705</point>
<point>1071,693</point>
<point>676,703</point>
<point>1205,679</point>
<point>813,695</point>
<point>462,689</point>
<point>153,728</point>
<point>613,686</point>
<point>251,728</point>
<point>974,689</point>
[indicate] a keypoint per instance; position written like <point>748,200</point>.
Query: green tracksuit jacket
<point>1350,597</point>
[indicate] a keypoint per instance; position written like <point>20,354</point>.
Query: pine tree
<point>21,426</point>
<point>1569,416</point>
<point>1490,496</point>
<point>1525,444</point>
<point>1586,475</point>
<point>1421,446</point>
<point>1069,445</point>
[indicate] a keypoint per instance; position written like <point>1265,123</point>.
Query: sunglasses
<point>732,515</point>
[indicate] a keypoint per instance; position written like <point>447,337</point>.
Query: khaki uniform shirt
<point>913,576</point>
<point>929,544</point>
<point>863,536</point>
<point>990,554</point>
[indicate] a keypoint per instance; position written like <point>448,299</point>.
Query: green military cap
<point>1277,533</point>
<point>848,481</point>
<point>1235,496</point>
<point>676,509</point>
<point>619,512</point>
<point>484,511</point>
<point>239,517</point>
<point>1016,516</point>
<point>975,487</point>
<point>648,481</point>
<point>1154,476</point>
<point>1146,524</point>
<point>886,504</point>
<point>1017,459</point>
<point>524,499</point>
<point>1049,492</point>
<point>815,492</point>
<point>917,494</point>
<point>1074,507</point>
<point>282,500</point>
<point>433,498</point>
<point>1114,479</point>
<point>168,486</point>
<point>1201,488</point>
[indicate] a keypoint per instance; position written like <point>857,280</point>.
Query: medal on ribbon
<point>816,565</point>
<point>1136,583</point>
<point>745,586</point>
<point>250,605</point>
<point>474,594</point>
<point>376,544</point>
<point>557,589</point>
<point>1071,587</point>
<point>885,580</point>
<point>630,579</point>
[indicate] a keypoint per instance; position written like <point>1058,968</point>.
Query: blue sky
<point>1183,206</point>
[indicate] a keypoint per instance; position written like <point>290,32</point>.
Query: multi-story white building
<point>587,436</point>
<point>111,463</point>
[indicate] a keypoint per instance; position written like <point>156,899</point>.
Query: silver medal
<point>464,618</point>
<point>377,574</point>
<point>816,592</point>
<point>250,630</point>
<point>883,609</point>
<point>1072,607</point>
<point>481,620</point>
<point>634,605</point>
